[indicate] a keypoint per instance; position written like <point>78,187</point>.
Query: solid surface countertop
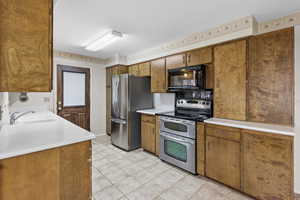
<point>269,128</point>
<point>154,111</point>
<point>37,132</point>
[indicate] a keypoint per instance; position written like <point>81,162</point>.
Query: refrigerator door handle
<point>118,121</point>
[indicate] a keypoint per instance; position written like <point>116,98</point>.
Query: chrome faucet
<point>14,116</point>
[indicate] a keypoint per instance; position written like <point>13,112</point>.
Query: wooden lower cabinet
<point>62,173</point>
<point>268,165</point>
<point>148,133</point>
<point>257,163</point>
<point>201,149</point>
<point>223,161</point>
<point>157,135</point>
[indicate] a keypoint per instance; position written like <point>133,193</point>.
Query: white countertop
<point>270,128</point>
<point>155,111</point>
<point>49,132</point>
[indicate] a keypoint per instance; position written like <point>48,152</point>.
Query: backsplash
<point>37,101</point>
<point>164,100</point>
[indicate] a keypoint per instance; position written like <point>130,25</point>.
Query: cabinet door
<point>200,149</point>
<point>114,70</point>
<point>123,69</point>
<point>75,171</point>
<point>26,46</point>
<point>134,70</point>
<point>176,61</point>
<point>199,56</point>
<point>30,177</point>
<point>158,76</point>
<point>144,69</point>
<point>230,80</point>
<point>268,166</point>
<point>271,77</point>
<point>148,137</point>
<point>223,161</point>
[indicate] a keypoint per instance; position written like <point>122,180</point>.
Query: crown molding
<point>77,57</point>
<point>279,23</point>
<point>238,28</point>
<point>242,27</point>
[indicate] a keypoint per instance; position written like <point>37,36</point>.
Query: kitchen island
<point>44,156</point>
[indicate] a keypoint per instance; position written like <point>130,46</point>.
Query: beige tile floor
<point>137,175</point>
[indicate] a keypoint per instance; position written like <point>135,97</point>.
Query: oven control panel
<point>193,103</point>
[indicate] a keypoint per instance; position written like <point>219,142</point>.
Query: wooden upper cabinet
<point>268,165</point>
<point>114,70</point>
<point>120,69</point>
<point>176,61</point>
<point>199,56</point>
<point>158,76</point>
<point>144,69</point>
<point>123,69</point>
<point>26,46</point>
<point>133,70</point>
<point>223,157</point>
<point>230,80</point>
<point>271,78</point>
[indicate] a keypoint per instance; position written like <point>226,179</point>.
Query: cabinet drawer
<point>224,132</point>
<point>148,118</point>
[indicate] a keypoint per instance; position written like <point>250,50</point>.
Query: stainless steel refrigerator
<point>129,94</point>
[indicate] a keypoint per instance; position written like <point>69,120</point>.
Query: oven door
<point>178,151</point>
<point>179,127</point>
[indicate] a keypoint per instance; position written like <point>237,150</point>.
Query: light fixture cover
<point>104,40</point>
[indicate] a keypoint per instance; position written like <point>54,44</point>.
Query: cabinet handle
<point>89,160</point>
<point>189,58</point>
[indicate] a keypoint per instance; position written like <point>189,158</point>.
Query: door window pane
<point>176,150</point>
<point>74,89</point>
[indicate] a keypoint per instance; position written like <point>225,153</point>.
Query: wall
<point>46,101</point>
<point>98,94</point>
<point>164,100</point>
<point>297,110</point>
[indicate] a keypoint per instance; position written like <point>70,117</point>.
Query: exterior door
<point>73,95</point>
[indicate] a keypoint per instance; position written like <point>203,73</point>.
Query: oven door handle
<point>177,139</point>
<point>175,121</point>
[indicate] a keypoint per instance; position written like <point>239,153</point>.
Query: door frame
<point>73,69</point>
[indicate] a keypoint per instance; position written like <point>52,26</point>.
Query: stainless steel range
<point>178,131</point>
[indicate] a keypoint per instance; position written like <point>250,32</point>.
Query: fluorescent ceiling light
<point>104,40</point>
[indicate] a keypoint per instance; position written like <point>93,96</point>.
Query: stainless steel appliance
<point>177,142</point>
<point>186,78</point>
<point>129,93</point>
<point>178,129</point>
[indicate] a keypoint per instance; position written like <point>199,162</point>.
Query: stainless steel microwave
<point>186,78</point>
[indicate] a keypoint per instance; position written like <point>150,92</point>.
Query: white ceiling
<point>149,23</point>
